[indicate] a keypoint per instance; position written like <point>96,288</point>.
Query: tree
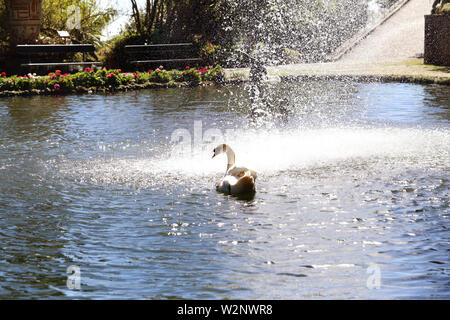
<point>89,19</point>
<point>438,6</point>
<point>177,20</point>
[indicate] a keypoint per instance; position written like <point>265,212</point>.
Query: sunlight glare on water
<point>275,151</point>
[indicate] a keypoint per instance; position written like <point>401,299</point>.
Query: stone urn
<point>24,20</point>
<point>437,39</point>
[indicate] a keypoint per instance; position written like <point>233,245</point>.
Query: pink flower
<point>56,86</point>
<point>161,67</point>
<point>187,67</point>
<point>150,71</point>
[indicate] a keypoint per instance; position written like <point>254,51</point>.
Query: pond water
<point>352,196</point>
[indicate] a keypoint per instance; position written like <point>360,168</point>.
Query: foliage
<point>440,7</point>
<point>170,21</point>
<point>115,53</point>
<point>3,21</point>
<point>104,78</point>
<point>3,29</point>
<point>177,20</point>
<point>57,13</point>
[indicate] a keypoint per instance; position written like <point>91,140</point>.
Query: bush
<point>87,79</point>
<point>160,75</point>
<point>113,57</point>
<point>192,76</point>
<point>113,78</point>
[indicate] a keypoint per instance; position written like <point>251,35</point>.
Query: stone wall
<point>24,20</point>
<point>437,40</point>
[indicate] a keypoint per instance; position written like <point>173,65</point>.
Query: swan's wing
<point>246,184</point>
<point>232,185</point>
<point>239,172</point>
<point>225,184</point>
<point>253,174</point>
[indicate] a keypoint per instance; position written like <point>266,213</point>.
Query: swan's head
<point>221,148</point>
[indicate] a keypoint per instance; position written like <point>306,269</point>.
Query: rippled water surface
<point>352,195</point>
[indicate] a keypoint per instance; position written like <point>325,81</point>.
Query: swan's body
<point>237,180</point>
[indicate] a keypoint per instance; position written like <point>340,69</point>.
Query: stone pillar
<point>24,20</point>
<point>437,39</point>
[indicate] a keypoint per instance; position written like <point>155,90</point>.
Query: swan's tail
<point>246,184</point>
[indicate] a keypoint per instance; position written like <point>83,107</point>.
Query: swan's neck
<point>231,158</point>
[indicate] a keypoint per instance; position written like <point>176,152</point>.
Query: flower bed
<point>106,80</point>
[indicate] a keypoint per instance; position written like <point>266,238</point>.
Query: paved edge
<point>347,77</point>
<point>408,71</point>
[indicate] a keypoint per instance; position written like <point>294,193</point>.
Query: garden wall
<point>437,40</point>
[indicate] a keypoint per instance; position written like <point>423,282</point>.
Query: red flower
<point>58,71</point>
<point>150,71</point>
<point>3,74</point>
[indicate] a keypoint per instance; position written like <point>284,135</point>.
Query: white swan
<point>237,180</point>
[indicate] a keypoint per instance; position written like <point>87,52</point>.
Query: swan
<point>237,180</point>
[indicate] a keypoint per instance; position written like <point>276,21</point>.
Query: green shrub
<point>87,79</point>
<point>160,76</point>
<point>216,74</point>
<point>192,76</point>
<point>104,78</point>
<point>176,75</point>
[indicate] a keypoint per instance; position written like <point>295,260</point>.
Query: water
<point>352,195</point>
